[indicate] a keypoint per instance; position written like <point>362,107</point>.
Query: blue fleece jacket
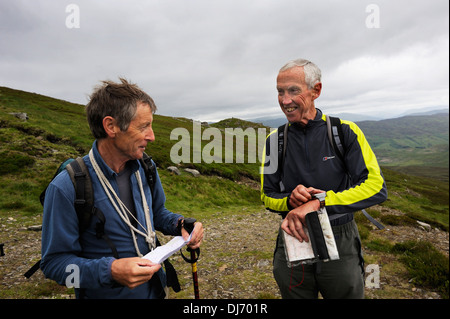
<point>63,246</point>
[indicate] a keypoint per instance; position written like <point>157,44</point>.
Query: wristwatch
<point>321,198</point>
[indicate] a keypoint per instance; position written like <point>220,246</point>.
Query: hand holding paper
<point>161,253</point>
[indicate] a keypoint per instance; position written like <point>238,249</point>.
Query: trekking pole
<point>195,253</point>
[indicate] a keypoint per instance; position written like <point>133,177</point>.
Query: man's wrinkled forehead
<point>291,77</point>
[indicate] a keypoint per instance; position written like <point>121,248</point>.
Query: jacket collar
<point>311,123</point>
<point>109,173</point>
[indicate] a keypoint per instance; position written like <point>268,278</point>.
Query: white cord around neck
<point>123,211</point>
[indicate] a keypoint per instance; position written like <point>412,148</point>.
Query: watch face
<point>320,196</point>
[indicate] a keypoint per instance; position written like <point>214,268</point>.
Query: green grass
<point>29,290</point>
<point>202,196</point>
<point>395,220</point>
<point>419,198</point>
<point>11,162</point>
<point>426,265</point>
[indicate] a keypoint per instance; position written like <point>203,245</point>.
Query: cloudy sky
<point>213,59</point>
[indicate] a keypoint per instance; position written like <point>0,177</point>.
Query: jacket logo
<point>326,158</point>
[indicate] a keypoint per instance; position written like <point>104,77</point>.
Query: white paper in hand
<point>161,253</point>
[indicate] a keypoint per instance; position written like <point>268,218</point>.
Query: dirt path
<point>235,261</point>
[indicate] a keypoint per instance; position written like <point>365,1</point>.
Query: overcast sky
<point>213,59</point>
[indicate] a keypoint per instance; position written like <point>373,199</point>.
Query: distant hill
<point>272,122</point>
<point>414,144</point>
<point>277,121</point>
<point>354,117</point>
<point>235,122</point>
<point>428,112</point>
<point>408,131</point>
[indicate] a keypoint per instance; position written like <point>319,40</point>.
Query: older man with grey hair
<point>311,166</point>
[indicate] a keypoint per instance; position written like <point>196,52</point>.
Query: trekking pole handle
<point>195,253</point>
<point>189,224</point>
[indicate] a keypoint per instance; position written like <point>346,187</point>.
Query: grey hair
<point>313,75</point>
<point>118,100</point>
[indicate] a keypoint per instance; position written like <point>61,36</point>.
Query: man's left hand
<point>197,235</point>
<point>295,220</point>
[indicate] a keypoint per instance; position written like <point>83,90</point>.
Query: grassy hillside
<point>31,150</point>
<point>419,198</point>
<point>417,145</point>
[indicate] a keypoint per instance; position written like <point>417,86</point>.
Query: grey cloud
<point>213,59</point>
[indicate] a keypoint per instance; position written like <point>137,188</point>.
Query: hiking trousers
<point>336,279</point>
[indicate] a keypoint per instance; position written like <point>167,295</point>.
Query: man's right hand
<point>134,271</point>
<point>301,195</point>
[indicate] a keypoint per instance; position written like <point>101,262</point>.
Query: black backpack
<point>85,209</point>
<point>336,138</point>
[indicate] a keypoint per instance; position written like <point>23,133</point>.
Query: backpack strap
<point>372,220</point>
<point>150,170</point>
<point>84,202</point>
<point>282,146</point>
<point>33,269</point>
<point>100,231</point>
<point>59,170</point>
<point>336,137</point>
<point>84,194</point>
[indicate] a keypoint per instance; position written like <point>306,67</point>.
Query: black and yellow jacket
<point>310,160</point>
